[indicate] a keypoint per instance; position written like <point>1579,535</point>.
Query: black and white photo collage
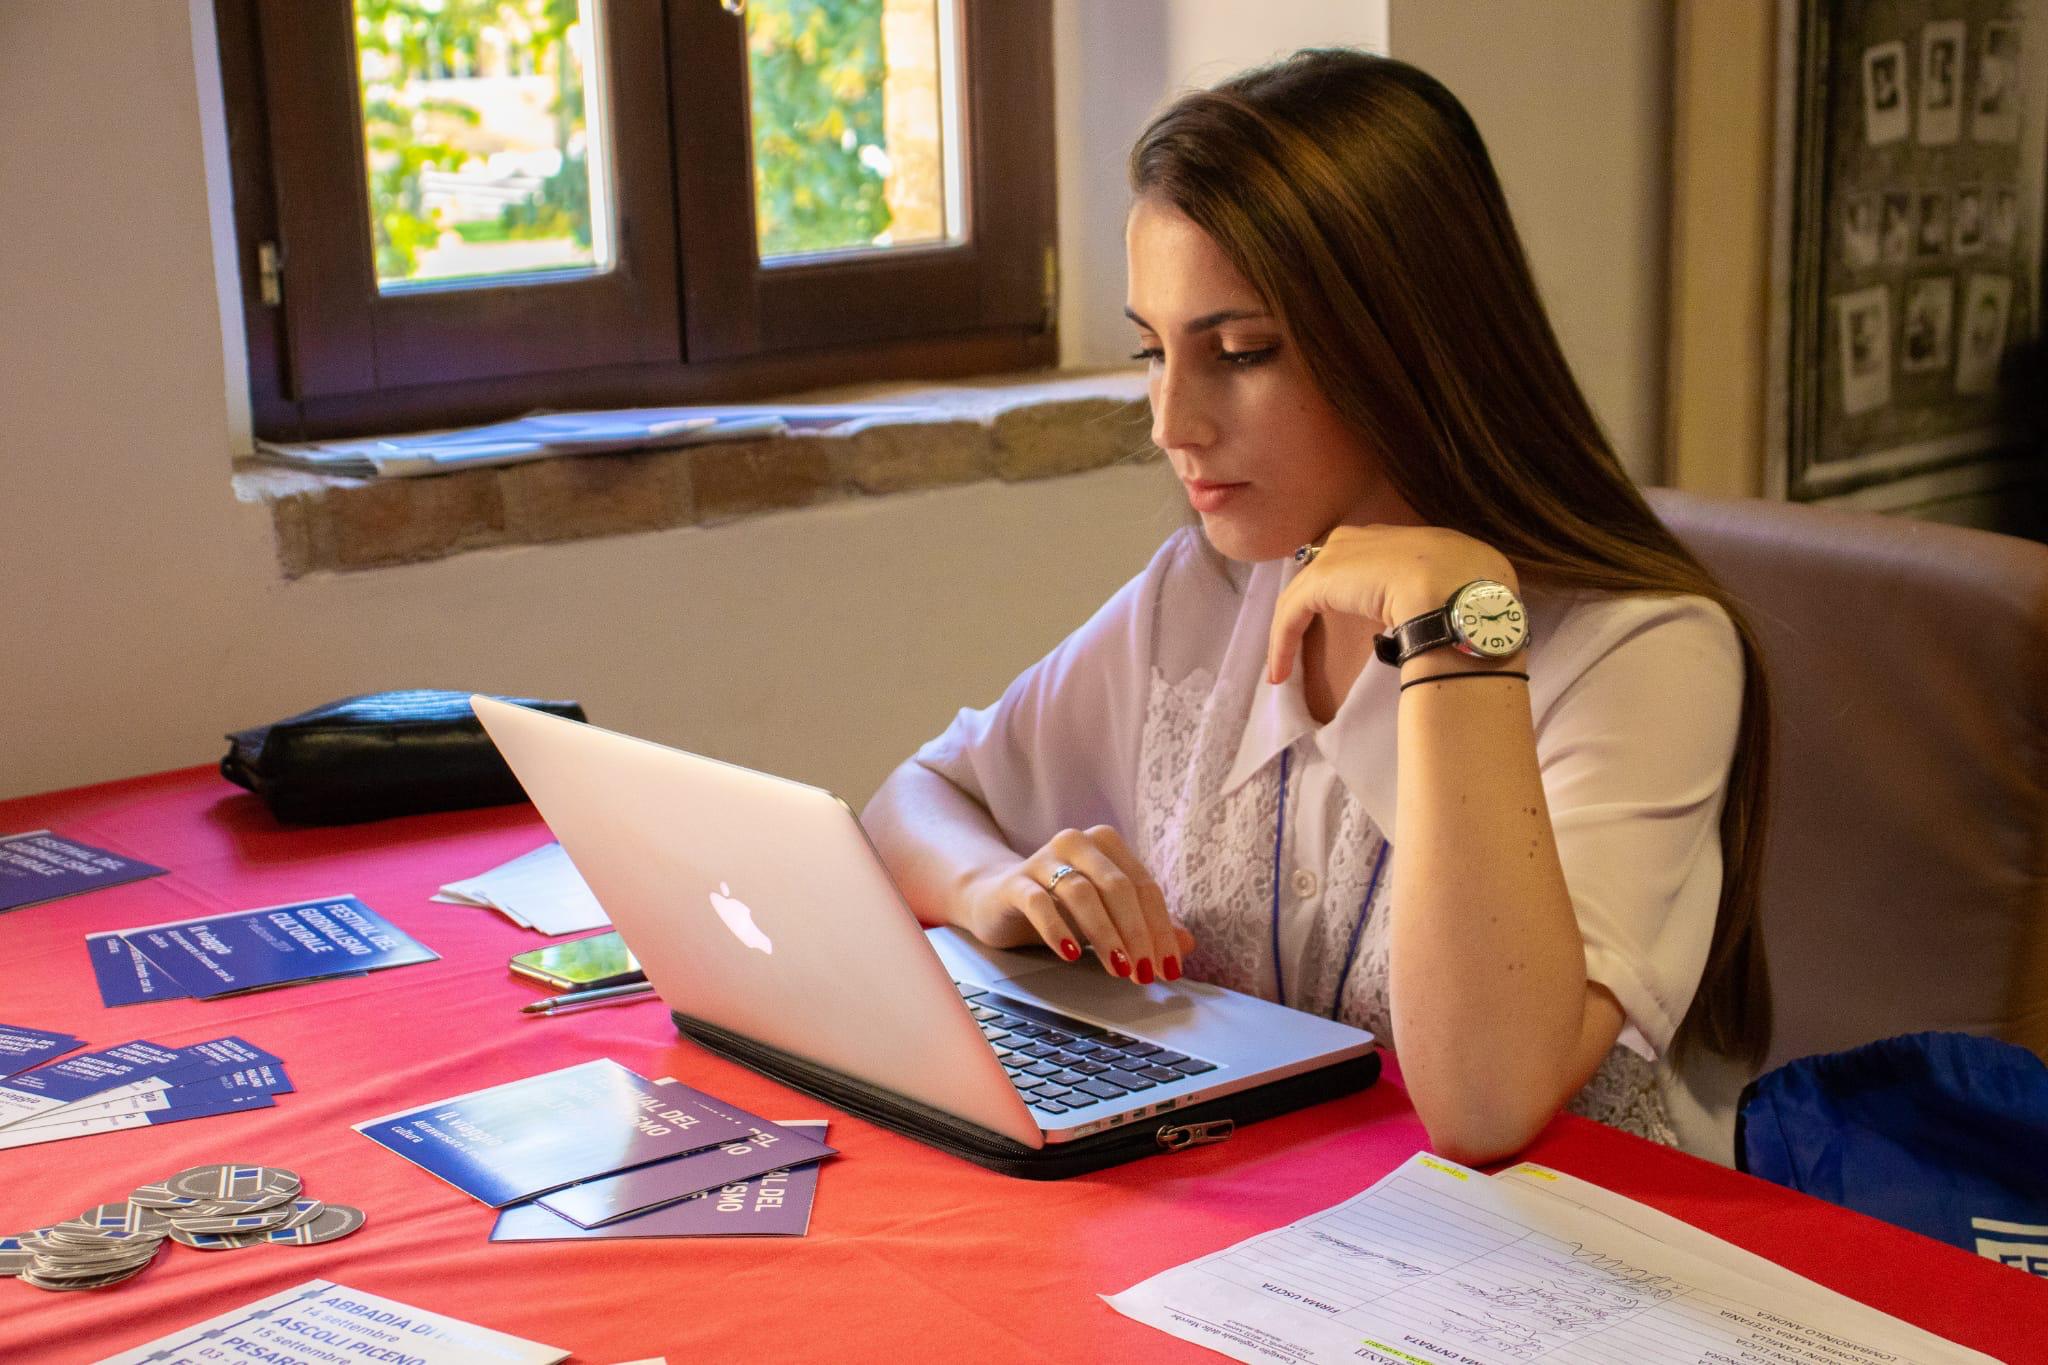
<point>1939,256</point>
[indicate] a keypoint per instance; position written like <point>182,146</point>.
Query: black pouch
<point>1177,1129</point>
<point>377,755</point>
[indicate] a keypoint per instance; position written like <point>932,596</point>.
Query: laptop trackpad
<point>1083,987</point>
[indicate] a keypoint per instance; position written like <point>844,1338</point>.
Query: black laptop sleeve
<point>374,756</point>
<point>1177,1129</point>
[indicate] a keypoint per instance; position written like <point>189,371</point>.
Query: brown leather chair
<point>1905,880</point>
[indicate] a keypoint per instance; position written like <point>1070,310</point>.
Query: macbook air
<point>757,904</point>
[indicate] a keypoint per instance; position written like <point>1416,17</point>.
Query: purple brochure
<point>40,866</point>
<point>217,955</point>
<point>125,976</point>
<point>73,1079</point>
<point>22,1047</point>
<point>610,1198</point>
<point>527,1137</point>
<point>777,1204</point>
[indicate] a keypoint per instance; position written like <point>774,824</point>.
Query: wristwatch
<point>1484,619</point>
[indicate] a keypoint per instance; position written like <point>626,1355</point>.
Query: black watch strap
<point>1418,635</point>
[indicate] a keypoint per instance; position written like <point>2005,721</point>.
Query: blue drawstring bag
<point>1943,1133</point>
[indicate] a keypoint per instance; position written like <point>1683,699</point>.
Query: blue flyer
<point>134,1068</point>
<point>527,1137</point>
<point>22,1047</point>
<point>212,1058</point>
<point>73,1079</point>
<point>40,866</point>
<point>766,1148</point>
<point>200,1063</point>
<point>125,976</point>
<point>144,1115</point>
<point>217,955</point>
<point>249,1086</point>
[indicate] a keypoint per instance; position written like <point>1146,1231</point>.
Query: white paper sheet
<point>320,1321</point>
<point>538,890</point>
<point>1584,1194</point>
<point>1436,1263</point>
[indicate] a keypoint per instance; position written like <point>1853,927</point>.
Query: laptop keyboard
<point>1059,1063</point>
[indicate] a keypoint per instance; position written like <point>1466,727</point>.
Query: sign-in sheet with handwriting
<point>1438,1263</point>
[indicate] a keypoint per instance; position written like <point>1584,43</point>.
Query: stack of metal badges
<point>213,1208</point>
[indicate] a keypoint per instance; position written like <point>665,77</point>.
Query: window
<point>449,210</point>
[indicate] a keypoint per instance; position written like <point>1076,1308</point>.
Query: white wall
<point>1574,101</point>
<point>141,614</point>
<point>1119,62</point>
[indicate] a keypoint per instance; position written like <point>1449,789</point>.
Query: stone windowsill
<point>1010,427</point>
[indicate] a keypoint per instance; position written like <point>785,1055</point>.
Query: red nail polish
<point>1144,971</point>
<point>1070,950</point>
<point>1170,968</point>
<point>1120,964</point>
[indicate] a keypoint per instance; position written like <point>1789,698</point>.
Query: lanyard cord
<point>1279,836</point>
<point>1364,907</point>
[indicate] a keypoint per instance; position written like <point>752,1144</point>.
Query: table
<point>911,1256</point>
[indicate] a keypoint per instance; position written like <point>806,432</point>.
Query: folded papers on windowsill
<point>543,435</point>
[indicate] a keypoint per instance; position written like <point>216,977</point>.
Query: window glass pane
<point>855,125</point>
<point>483,123</point>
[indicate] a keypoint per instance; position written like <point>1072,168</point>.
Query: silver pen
<point>603,995</point>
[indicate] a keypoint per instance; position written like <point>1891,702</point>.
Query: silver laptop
<point>758,905</point>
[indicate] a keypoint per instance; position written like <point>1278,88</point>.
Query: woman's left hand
<point>1383,575</point>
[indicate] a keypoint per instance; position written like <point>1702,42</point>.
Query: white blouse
<point>1155,717</point>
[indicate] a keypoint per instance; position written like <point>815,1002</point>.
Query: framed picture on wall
<point>1913,187</point>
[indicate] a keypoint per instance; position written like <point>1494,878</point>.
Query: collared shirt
<point>1155,717</point>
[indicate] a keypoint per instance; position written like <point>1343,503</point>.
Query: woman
<point>1521,849</point>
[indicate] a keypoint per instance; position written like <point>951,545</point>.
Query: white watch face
<point>1489,620</point>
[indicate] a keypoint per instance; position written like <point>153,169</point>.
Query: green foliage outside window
<point>816,72</point>
<point>425,39</point>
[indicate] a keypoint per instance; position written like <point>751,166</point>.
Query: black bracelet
<point>1448,677</point>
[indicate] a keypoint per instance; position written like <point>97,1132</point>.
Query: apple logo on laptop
<point>739,917</point>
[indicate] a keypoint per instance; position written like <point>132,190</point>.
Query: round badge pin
<point>304,1211</point>
<point>118,1221</point>
<point>14,1257</point>
<point>243,1184</point>
<point>62,1283</point>
<point>87,1262</point>
<point>235,1224</point>
<point>334,1221</point>
<point>218,1208</point>
<point>108,1255</point>
<point>223,1208</point>
<point>215,1241</point>
<point>159,1196</point>
<point>81,1263</point>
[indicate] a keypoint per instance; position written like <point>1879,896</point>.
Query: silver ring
<point>1306,555</point>
<point>1062,870</point>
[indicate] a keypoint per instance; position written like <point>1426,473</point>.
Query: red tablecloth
<point>911,1255</point>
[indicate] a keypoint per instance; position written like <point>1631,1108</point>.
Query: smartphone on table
<point>581,964</point>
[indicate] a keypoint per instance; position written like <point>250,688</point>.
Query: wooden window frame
<point>689,313</point>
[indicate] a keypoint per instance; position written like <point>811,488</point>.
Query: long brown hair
<point>1356,196</point>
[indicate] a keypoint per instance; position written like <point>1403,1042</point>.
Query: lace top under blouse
<point>1155,717</point>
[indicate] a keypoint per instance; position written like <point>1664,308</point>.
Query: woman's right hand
<point>1107,900</point>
